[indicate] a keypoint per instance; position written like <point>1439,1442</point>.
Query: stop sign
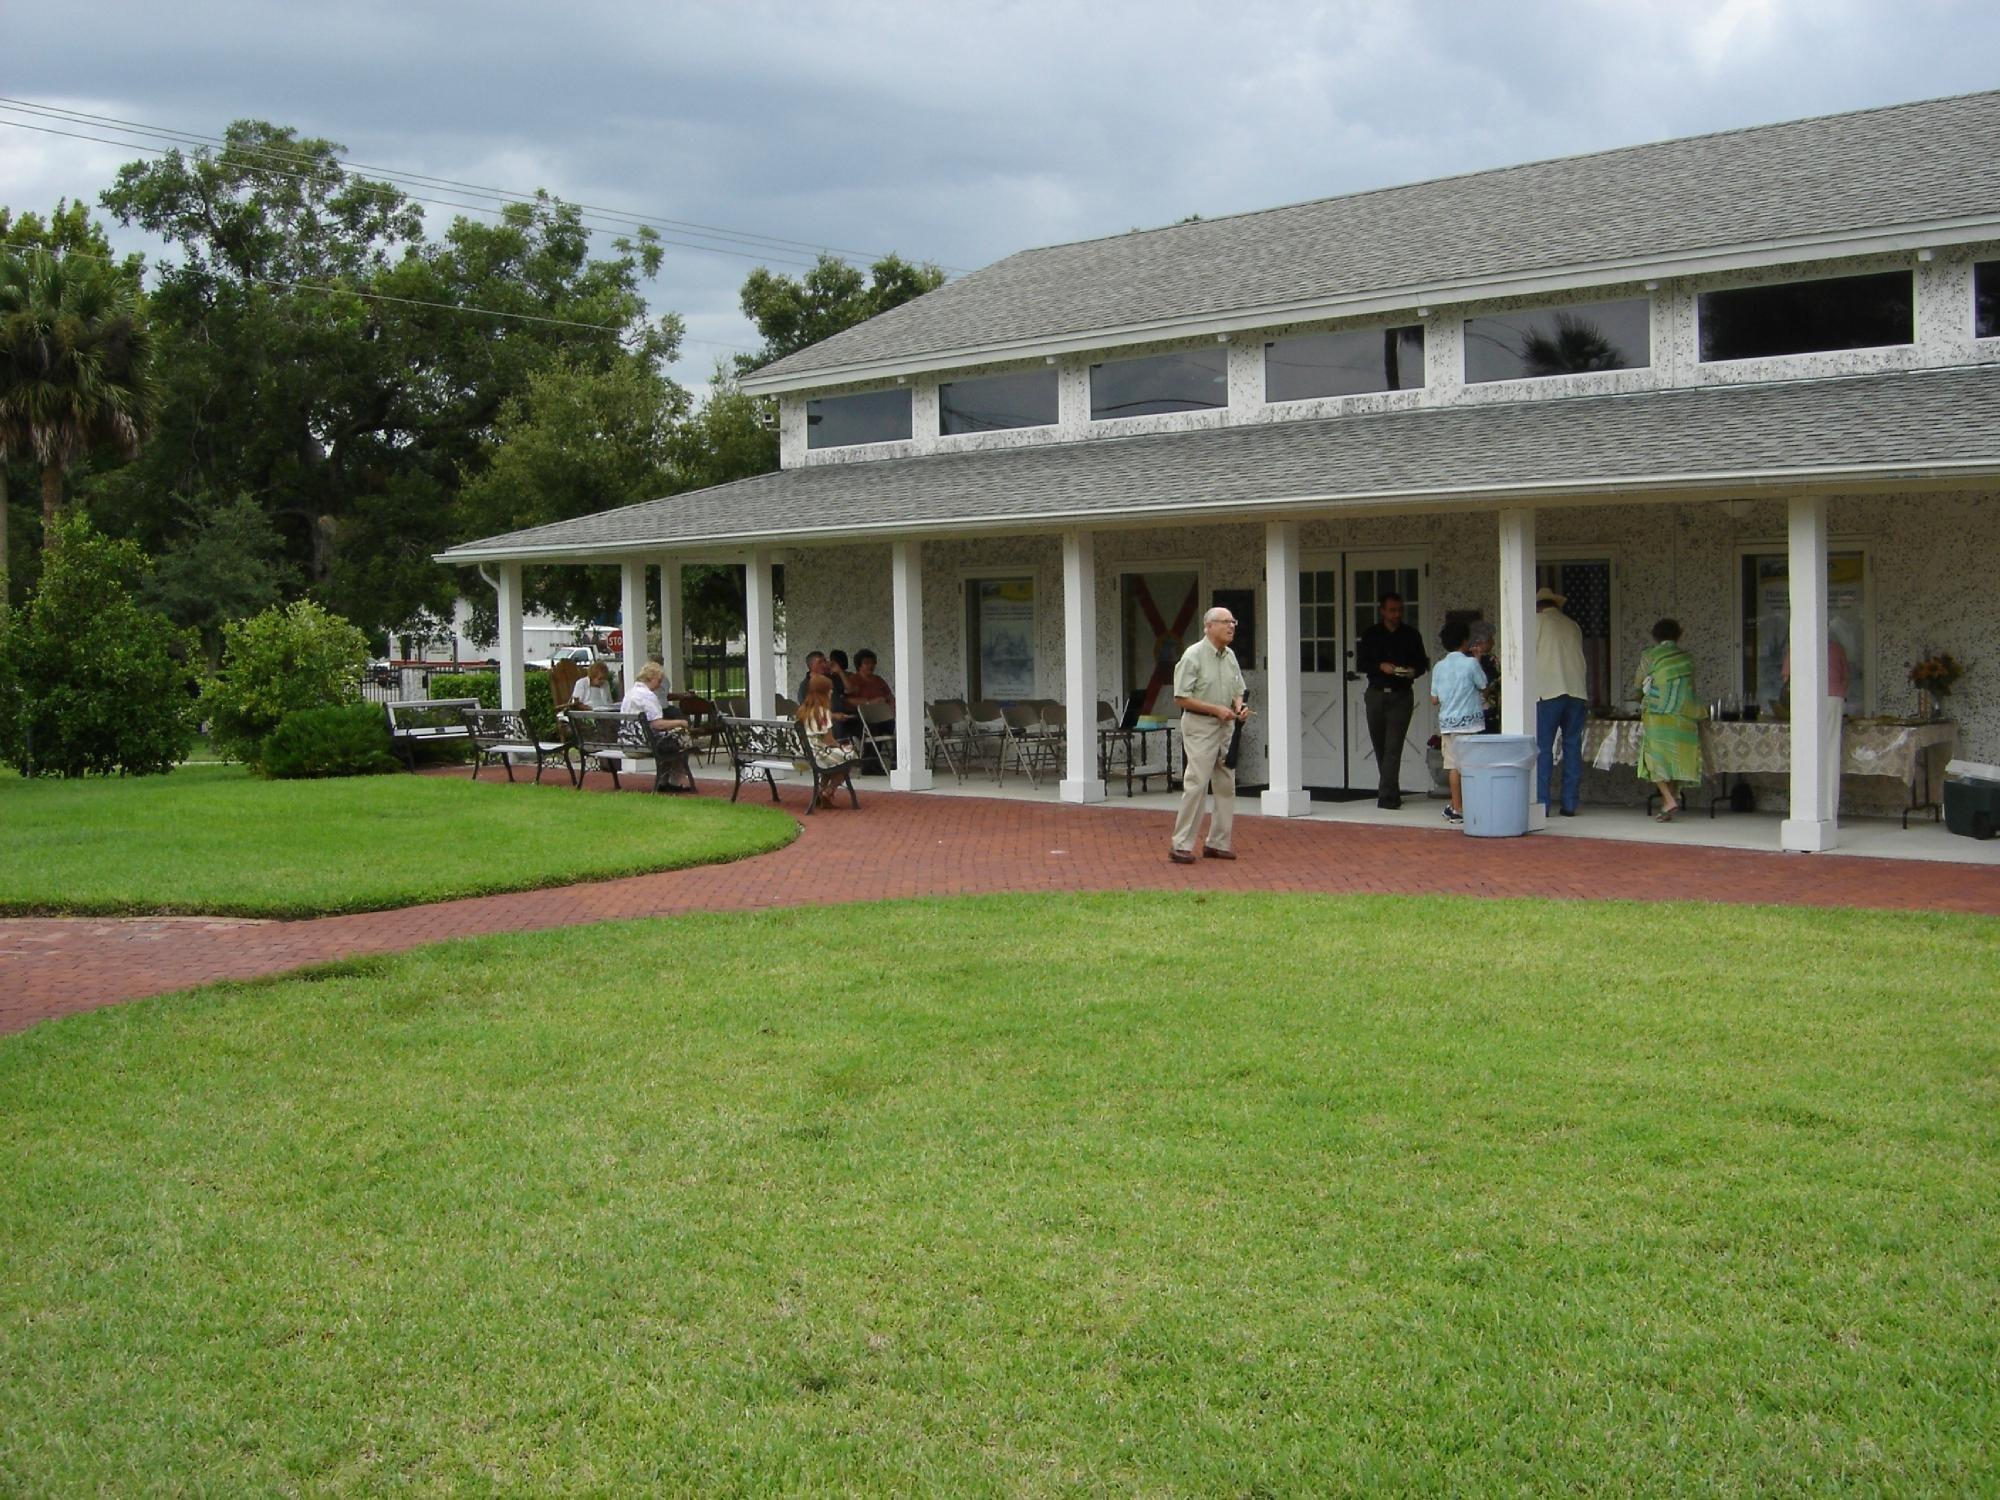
<point>615,643</point>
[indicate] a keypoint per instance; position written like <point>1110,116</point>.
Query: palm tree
<point>73,365</point>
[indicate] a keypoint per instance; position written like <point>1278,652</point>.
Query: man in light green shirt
<point>1208,690</point>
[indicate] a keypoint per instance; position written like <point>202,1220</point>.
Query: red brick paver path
<point>899,846</point>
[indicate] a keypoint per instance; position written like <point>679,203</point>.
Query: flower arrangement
<point>1936,673</point>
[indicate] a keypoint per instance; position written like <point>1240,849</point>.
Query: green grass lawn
<point>1144,1194</point>
<point>216,840</point>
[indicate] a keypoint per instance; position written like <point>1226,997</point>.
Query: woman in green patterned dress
<point>1670,725</point>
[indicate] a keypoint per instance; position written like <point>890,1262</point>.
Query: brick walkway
<point>900,846</point>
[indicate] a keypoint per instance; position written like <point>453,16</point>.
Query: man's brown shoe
<point>1220,853</point>
<point>1180,856</point>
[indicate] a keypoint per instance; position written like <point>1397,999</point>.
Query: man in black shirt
<point>1392,654</point>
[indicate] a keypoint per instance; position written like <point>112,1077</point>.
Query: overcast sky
<point>955,132</point>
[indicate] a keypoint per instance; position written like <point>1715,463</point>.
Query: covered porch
<point>1018,574</point>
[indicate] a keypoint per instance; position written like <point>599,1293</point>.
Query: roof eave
<point>1930,235</point>
<point>1656,486</point>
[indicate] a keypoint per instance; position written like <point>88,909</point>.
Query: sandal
<point>1666,814</point>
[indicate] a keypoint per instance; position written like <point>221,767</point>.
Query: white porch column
<point>906,587</point>
<point>760,627</point>
<point>1815,811</point>
<point>1080,783</point>
<point>673,631</point>
<point>1282,710</point>
<point>632,617</point>
<point>1517,633</point>
<point>513,675</point>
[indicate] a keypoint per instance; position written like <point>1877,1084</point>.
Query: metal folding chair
<point>871,716</point>
<point>945,723</point>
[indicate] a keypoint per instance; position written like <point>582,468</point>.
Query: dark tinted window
<point>1986,299</point>
<point>1193,380</point>
<point>1807,317</point>
<point>872,417</point>
<point>1344,364</point>
<point>1559,341</point>
<point>993,403</point>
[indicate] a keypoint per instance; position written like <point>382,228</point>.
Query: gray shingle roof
<point>1833,176</point>
<point>1913,424</point>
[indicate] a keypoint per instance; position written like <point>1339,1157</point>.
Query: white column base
<point>1285,802</point>
<point>1538,817</point>
<point>912,779</point>
<point>1808,835</point>
<point>1082,791</point>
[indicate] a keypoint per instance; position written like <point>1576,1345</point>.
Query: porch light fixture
<point>1423,312</point>
<point>1927,256</point>
<point>1652,286</point>
<point>1736,510</point>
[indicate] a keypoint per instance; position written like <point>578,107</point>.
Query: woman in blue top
<point>1458,688</point>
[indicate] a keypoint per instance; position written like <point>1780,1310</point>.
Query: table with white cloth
<point>1904,751</point>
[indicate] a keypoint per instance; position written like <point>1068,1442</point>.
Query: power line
<point>683,226</point>
<point>399,174</point>
<point>474,208</point>
<point>457,307</point>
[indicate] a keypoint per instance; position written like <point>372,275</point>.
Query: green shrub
<point>297,656</point>
<point>90,680</point>
<point>350,740</point>
<point>485,687</point>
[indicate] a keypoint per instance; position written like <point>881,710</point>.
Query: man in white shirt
<point>643,697</point>
<point>1562,681</point>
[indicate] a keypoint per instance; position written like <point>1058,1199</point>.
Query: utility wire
<point>683,226</point>
<point>474,208</point>
<point>70,116</point>
<point>457,307</point>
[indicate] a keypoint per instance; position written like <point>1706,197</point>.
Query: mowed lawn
<point>216,840</point>
<point>1147,1194</point>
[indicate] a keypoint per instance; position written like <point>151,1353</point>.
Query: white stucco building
<point>1750,381</point>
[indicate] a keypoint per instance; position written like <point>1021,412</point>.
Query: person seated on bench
<point>815,717</point>
<point>593,689</point>
<point>643,698</point>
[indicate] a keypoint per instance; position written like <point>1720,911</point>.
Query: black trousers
<point>1389,711</point>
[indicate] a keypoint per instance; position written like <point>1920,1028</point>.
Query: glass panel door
<point>1320,667</point>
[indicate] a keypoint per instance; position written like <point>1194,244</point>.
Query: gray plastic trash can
<point>1497,772</point>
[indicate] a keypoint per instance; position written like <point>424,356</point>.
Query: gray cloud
<point>961,133</point>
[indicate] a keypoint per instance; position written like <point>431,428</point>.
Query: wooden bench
<point>623,742</point>
<point>773,747</point>
<point>426,721</point>
<point>503,735</point>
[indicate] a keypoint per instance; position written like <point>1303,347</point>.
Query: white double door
<point>1339,594</point>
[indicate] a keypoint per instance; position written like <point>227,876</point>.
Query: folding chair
<point>871,716</point>
<point>945,721</point>
<point>1022,738</point>
<point>986,736</point>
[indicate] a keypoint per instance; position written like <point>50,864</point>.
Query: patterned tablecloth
<point>1726,749</point>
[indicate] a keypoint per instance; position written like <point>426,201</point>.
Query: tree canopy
<point>793,312</point>
<point>338,389</point>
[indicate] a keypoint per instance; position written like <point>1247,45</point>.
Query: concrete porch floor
<point>1868,837</point>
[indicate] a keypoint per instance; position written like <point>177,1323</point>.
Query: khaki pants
<point>1207,741</point>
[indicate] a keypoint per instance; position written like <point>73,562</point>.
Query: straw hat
<point>1547,595</point>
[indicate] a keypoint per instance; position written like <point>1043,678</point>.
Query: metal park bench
<point>626,742</point>
<point>503,735</point>
<point>426,721</point>
<point>773,747</point>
